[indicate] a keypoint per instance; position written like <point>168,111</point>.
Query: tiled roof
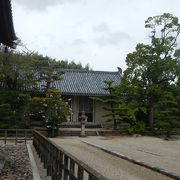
<point>80,82</point>
<point>7,33</point>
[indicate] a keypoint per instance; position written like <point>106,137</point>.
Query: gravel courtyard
<point>17,166</point>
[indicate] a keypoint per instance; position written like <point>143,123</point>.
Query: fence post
<point>65,167</point>
<point>72,167</point>
<point>91,177</point>
<point>60,166</point>
<point>25,136</point>
<point>80,173</point>
<point>54,163</point>
<point>5,136</point>
<point>16,137</point>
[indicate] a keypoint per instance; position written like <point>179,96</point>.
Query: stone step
<point>77,133</point>
<point>37,123</point>
<point>78,125</point>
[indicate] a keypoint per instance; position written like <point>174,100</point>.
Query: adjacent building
<point>78,86</point>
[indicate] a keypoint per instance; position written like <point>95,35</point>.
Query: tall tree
<point>152,68</point>
<point>48,72</point>
<point>16,71</point>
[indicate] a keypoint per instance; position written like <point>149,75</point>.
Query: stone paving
<point>110,166</point>
<point>153,151</point>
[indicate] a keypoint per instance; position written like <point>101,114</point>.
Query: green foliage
<point>6,116</point>
<point>126,113</point>
<point>21,72</point>
<point>17,72</point>
<point>56,111</point>
<point>112,101</point>
<point>118,110</point>
<point>13,109</point>
<point>48,71</point>
<point>36,109</point>
<point>18,109</point>
<point>153,68</point>
<point>177,55</point>
<point>137,127</point>
<point>168,117</point>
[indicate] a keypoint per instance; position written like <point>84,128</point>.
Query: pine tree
<point>168,113</point>
<point>118,110</point>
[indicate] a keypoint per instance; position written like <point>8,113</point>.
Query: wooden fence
<point>16,135</point>
<point>60,164</point>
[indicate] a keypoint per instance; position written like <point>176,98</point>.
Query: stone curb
<point>2,161</point>
<point>34,168</point>
<point>141,163</point>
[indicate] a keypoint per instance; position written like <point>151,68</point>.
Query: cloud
<point>78,42</point>
<point>112,38</point>
<point>42,4</point>
<point>103,27</point>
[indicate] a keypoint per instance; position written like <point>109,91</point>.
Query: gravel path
<point>112,167</point>
<point>17,166</point>
<point>153,151</point>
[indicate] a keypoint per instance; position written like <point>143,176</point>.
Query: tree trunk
<point>53,135</point>
<point>151,117</point>
<point>168,134</point>
<point>114,118</point>
<point>115,124</point>
<point>48,85</point>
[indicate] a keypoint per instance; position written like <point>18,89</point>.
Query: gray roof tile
<point>80,82</point>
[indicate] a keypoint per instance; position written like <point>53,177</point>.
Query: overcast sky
<point>98,32</point>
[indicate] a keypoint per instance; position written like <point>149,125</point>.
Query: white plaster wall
<point>99,112</point>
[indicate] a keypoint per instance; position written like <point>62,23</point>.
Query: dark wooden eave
<point>7,33</point>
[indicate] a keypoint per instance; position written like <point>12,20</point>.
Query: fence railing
<point>60,164</point>
<point>15,135</point>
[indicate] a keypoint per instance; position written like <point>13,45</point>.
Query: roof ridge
<point>88,71</point>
